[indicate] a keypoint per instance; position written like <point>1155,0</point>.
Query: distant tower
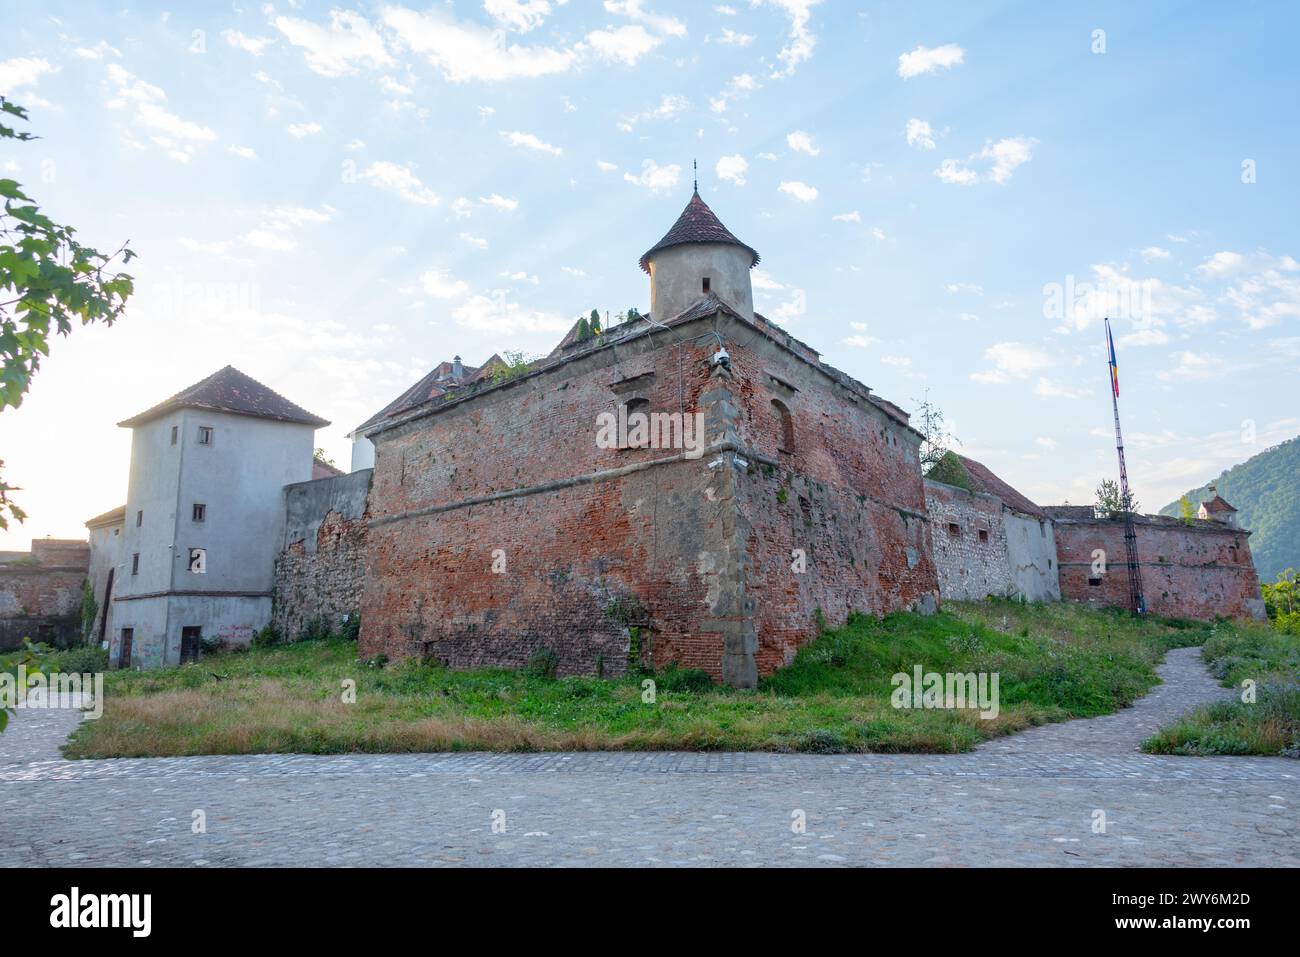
<point>697,257</point>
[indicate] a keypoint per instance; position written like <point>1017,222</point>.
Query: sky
<point>947,200</point>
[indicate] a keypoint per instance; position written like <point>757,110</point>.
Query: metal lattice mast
<point>1137,602</point>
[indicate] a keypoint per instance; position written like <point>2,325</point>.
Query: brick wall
<point>40,594</point>
<point>603,554</point>
<point>320,570</point>
<point>970,543</point>
<point>1201,571</point>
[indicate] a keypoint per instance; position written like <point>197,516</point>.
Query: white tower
<point>699,257</point>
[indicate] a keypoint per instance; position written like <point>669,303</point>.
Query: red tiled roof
<point>438,381</point>
<point>229,390</point>
<point>983,480</point>
<point>696,224</point>
<point>1217,504</point>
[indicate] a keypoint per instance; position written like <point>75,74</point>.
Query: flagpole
<point>1137,602</point>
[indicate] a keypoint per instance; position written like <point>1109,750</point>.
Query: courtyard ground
<point>1034,799</point>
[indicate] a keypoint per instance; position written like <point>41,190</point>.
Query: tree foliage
<point>1265,490</point>
<point>1111,503</point>
<point>950,471</point>
<point>48,283</point>
<point>928,420</point>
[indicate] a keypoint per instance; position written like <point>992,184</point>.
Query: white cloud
<point>349,42</point>
<point>502,203</point>
<point>625,44</point>
<point>968,317</point>
<point>275,228</point>
<point>210,249</point>
<point>400,180</point>
<point>529,141</point>
<point>738,86</point>
<point>23,71</point>
<point>860,341</point>
<point>244,152</point>
<point>465,51</point>
<point>521,277</point>
<point>496,314</point>
<point>97,52</point>
<point>900,361</point>
<point>1145,337</point>
<point>253,45</point>
<point>574,271</point>
<point>299,130</point>
<point>732,38</point>
<point>950,171</point>
<point>1052,390</point>
<point>1152,253</point>
<point>853,217</point>
<point>635,10</point>
<point>519,15</point>
<point>919,134</point>
<point>669,106</point>
<point>1012,360</point>
<point>970,287</point>
<point>761,280</point>
<point>732,169</point>
<point>929,59</point>
<point>605,167</point>
<point>1194,367</point>
<point>1007,154</point>
<point>801,142</point>
<point>878,233</point>
<point>655,177</point>
<point>800,191</point>
<point>443,285</point>
<point>178,137</point>
<point>801,42</point>
<point>478,242</point>
<point>726,11</point>
<point>1221,264</point>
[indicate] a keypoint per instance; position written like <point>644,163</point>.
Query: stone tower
<point>699,256</point>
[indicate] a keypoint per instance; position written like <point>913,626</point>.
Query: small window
<point>984,535</point>
<point>954,530</point>
<point>638,429</point>
<point>135,564</point>
<point>176,431</point>
<point>198,561</point>
<point>139,518</point>
<point>706,284</point>
<point>786,423</point>
<point>124,652</point>
<point>205,435</point>
<point>198,512</point>
<point>1094,582</point>
<point>1049,563</point>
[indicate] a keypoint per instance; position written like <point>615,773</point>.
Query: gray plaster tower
<point>699,257</point>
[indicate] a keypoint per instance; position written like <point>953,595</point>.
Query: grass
<point>1269,725</point>
<point>1055,662</point>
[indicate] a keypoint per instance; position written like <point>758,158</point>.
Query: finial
<point>695,167</point>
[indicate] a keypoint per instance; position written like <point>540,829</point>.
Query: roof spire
<point>695,167</point>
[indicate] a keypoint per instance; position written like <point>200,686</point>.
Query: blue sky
<point>333,198</point>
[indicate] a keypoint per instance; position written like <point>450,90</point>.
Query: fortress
<point>489,517</point>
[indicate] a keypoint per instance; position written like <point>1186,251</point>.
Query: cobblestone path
<point>1030,799</point>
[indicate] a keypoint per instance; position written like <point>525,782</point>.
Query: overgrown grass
<point>1054,661</point>
<point>1270,724</point>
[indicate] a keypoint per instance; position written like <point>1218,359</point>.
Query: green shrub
<point>693,680</point>
<point>543,663</point>
<point>351,628</point>
<point>316,629</point>
<point>267,637</point>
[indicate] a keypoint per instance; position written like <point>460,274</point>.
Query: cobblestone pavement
<point>1027,800</point>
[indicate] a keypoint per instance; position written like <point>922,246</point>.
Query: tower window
<point>199,512</point>
<point>954,530</point>
<point>139,518</point>
<point>135,564</point>
<point>175,432</point>
<point>706,283</point>
<point>984,535</point>
<point>205,435</point>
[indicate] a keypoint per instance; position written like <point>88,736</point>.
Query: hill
<point>1266,491</point>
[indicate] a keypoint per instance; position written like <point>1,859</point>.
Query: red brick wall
<point>40,603</point>
<point>1202,572</point>
<point>693,554</point>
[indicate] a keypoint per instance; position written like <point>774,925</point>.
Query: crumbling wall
<point>320,570</point>
<point>970,543</point>
<point>40,594</point>
<point>1203,570</point>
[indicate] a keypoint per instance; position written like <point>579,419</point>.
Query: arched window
<point>638,428</point>
<point>785,436</point>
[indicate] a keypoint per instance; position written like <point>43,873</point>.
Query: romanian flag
<point>1114,366</point>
